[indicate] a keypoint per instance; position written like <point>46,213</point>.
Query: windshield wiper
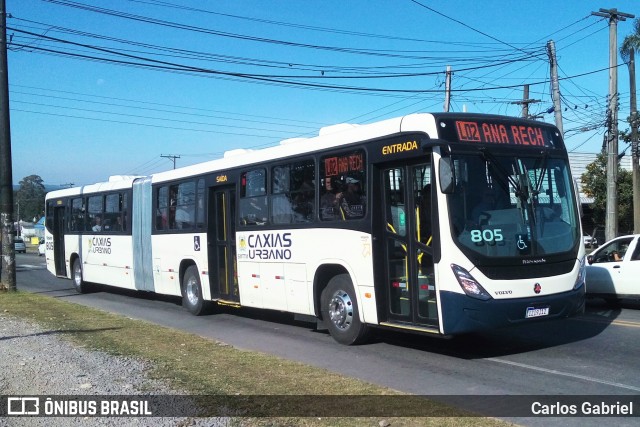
<point>542,173</point>
<point>504,174</point>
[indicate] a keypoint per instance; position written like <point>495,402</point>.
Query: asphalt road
<point>594,354</point>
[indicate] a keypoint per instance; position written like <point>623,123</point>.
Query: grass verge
<point>201,366</point>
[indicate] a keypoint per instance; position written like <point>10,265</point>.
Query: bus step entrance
<point>411,327</point>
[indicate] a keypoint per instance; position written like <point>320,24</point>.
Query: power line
<point>145,124</point>
<point>177,66</point>
<point>276,79</point>
<point>295,25</point>
<point>169,66</point>
<point>164,119</point>
<point>464,25</point>
<point>202,30</point>
<point>444,56</point>
<point>137,101</point>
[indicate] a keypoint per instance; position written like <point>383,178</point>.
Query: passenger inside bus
<point>351,201</point>
<point>328,202</point>
<point>304,200</point>
<point>117,226</point>
<point>97,224</point>
<point>184,217</point>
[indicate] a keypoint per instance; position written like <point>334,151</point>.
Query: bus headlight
<point>582,274</point>
<point>469,285</point>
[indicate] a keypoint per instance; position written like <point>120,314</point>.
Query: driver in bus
<point>487,203</point>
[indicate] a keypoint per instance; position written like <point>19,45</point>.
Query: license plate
<point>537,312</point>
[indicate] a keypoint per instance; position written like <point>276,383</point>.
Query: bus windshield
<point>511,206</point>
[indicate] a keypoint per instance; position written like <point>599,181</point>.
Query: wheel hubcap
<point>192,291</point>
<point>77,275</point>
<point>341,310</point>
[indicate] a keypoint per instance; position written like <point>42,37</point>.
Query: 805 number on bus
<point>489,236</point>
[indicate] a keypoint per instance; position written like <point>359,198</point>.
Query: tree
<point>631,42</point>
<point>30,198</point>
<point>594,184</point>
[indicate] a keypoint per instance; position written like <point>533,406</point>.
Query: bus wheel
<point>78,283</point>
<point>192,292</point>
<point>340,311</point>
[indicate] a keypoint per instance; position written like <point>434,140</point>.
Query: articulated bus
<point>433,223</point>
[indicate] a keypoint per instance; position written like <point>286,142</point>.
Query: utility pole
<point>172,157</point>
<point>611,221</point>
<point>447,90</point>
<point>635,155</point>
<point>8,266</point>
<point>525,102</point>
<point>555,85</point>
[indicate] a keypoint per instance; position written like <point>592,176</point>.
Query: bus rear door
<point>221,235</point>
<point>58,240</point>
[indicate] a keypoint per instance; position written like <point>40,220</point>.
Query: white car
<point>590,241</point>
<point>614,268</point>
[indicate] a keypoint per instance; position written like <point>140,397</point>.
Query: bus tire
<point>79,284</point>
<point>192,292</point>
<point>340,311</point>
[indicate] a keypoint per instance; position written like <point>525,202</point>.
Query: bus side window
<point>343,191</point>
<point>281,209</point>
<point>253,198</point>
<point>112,219</point>
<point>77,215</point>
<point>96,206</point>
<point>303,191</point>
<point>162,218</point>
<point>183,217</point>
<point>124,221</point>
<point>200,204</point>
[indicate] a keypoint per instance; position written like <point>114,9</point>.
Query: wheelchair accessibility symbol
<point>196,243</point>
<point>522,245</point>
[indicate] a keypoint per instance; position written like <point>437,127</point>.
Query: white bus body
<point>244,230</point>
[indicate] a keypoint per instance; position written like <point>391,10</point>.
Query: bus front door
<point>221,235</point>
<point>58,241</point>
<point>407,237</point>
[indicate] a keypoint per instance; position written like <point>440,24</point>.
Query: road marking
<point>564,374</point>
<point>629,323</point>
<point>32,267</point>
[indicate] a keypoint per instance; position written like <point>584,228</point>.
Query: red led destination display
<point>501,133</point>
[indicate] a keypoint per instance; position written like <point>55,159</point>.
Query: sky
<point>116,88</point>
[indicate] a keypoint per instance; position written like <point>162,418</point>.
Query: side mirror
<point>590,259</point>
<point>447,175</point>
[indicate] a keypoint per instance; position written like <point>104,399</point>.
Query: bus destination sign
<point>499,133</point>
